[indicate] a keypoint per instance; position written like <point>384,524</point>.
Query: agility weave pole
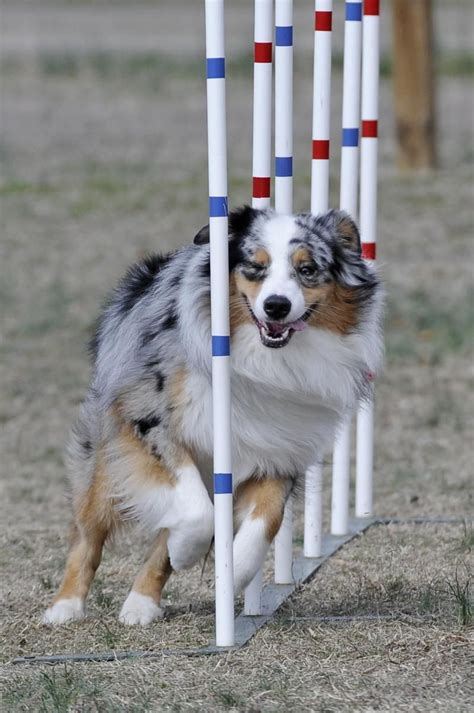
<point>361,45</point>
<point>313,515</point>
<point>261,168</point>
<point>284,204</point>
<point>220,327</point>
<point>368,230</point>
<point>348,201</point>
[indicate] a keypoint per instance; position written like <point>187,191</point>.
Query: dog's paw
<point>64,610</point>
<point>140,609</point>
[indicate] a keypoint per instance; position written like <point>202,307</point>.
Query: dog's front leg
<point>259,506</point>
<point>188,526</point>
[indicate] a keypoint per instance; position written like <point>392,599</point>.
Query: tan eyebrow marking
<point>261,257</point>
<point>301,255</point>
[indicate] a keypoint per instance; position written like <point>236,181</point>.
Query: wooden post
<point>414,84</point>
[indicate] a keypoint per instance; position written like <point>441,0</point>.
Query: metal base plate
<point>273,596</point>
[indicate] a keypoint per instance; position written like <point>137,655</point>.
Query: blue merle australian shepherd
<point>305,342</point>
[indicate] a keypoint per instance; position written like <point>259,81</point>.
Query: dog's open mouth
<point>278,334</point>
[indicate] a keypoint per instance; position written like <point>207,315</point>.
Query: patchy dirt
<point>103,158</point>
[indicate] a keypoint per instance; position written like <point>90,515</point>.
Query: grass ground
<point>104,158</point>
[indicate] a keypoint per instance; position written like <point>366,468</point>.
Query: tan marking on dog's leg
<point>142,605</point>
<point>94,520</point>
<point>263,498</point>
<point>259,506</point>
<point>156,570</point>
<point>146,466</point>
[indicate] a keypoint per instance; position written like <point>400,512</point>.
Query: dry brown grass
<point>101,166</point>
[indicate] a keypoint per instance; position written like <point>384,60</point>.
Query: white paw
<point>64,610</point>
<point>139,609</point>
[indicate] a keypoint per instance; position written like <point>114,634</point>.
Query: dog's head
<point>290,273</point>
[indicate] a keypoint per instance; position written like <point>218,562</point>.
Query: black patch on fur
<point>205,269</point>
<point>149,336</point>
<point>138,280</point>
<point>170,321</point>
<point>143,425</point>
<point>235,251</point>
<point>160,380</point>
<point>240,220</point>
<point>151,364</point>
<point>175,281</point>
<point>134,285</point>
<point>87,447</point>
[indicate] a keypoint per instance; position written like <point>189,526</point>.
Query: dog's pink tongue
<point>299,325</point>
<point>278,328</point>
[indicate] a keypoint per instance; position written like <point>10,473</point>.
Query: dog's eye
<point>308,269</point>
<point>257,267</point>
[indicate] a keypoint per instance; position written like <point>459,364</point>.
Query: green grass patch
<point>102,597</point>
<point>455,64</point>
<point>419,326</point>
<point>18,187</point>
<point>460,592</point>
<point>50,313</point>
<point>151,68</point>
<point>467,540</point>
<point>430,599</point>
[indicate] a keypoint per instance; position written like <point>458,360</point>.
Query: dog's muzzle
<point>277,334</point>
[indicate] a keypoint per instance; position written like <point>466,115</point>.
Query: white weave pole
<point>319,204</point>
<point>347,201</point>
<point>321,106</point>
<point>262,104</point>
<point>284,204</point>
<point>261,169</point>
<point>221,396</point>
<point>368,229</point>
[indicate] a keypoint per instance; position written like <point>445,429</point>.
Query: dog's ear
<point>240,220</point>
<point>202,237</point>
<point>346,229</point>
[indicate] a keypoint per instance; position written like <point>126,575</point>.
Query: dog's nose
<point>277,306</point>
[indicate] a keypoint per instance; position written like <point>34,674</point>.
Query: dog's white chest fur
<point>285,403</point>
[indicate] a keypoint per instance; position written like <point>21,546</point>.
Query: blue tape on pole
<point>218,207</point>
<point>220,346</point>
<point>353,11</point>
<point>350,137</point>
<point>223,483</point>
<point>284,36</point>
<point>215,67</point>
<point>283,166</point>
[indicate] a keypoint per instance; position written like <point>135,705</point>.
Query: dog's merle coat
<point>151,386</point>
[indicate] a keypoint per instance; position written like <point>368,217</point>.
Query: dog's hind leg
<point>94,519</point>
<point>142,606</point>
<point>259,506</point>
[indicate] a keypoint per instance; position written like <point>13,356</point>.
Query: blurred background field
<point>103,158</point>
